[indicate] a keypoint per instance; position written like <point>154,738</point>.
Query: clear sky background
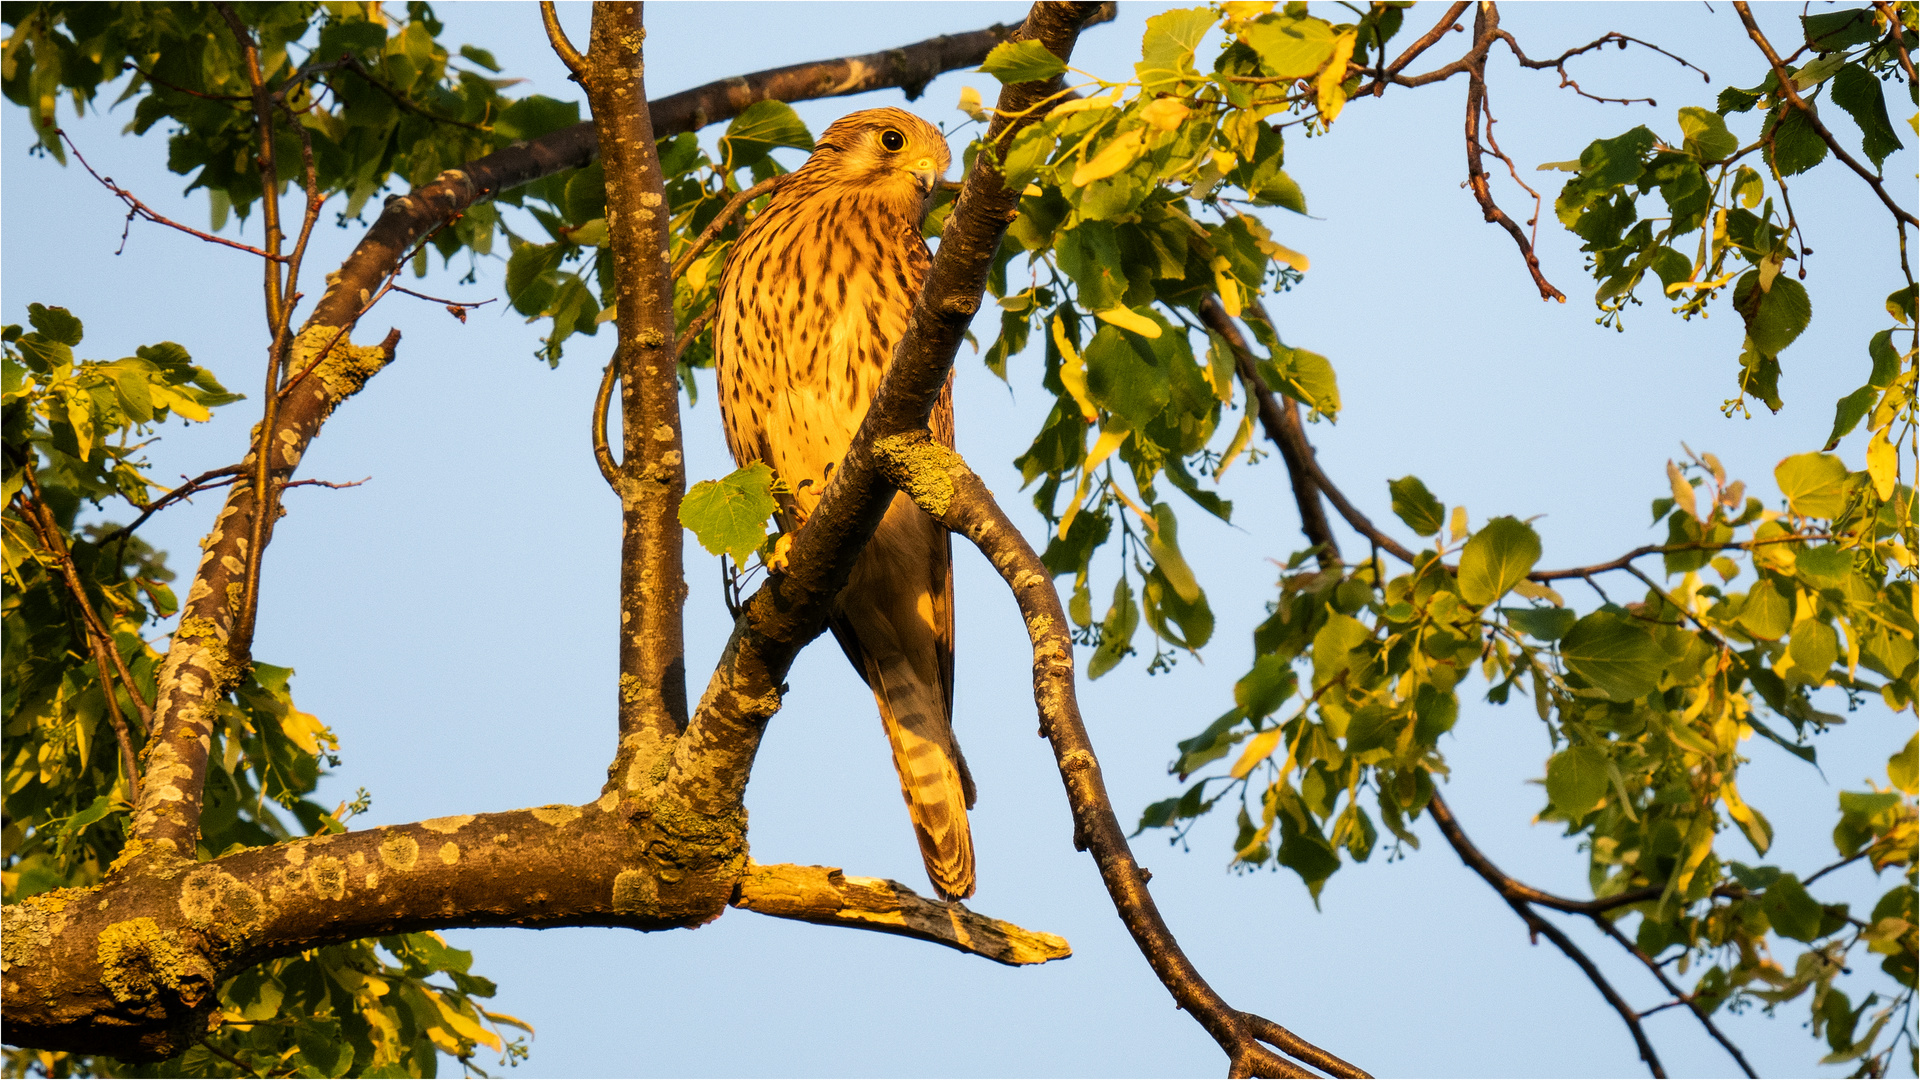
<point>454,618</point>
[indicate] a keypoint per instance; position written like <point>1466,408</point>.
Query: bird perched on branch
<point>814,297</point>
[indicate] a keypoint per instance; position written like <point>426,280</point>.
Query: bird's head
<point>888,151</point>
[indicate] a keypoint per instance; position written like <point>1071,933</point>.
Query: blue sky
<point>453,619</point>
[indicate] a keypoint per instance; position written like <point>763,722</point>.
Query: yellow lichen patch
<point>921,468</point>
<point>296,854</point>
<point>448,825</point>
<point>347,366</point>
<point>216,901</point>
<point>634,891</point>
<point>630,688</point>
<point>609,802</point>
<point>373,878</point>
<point>31,925</point>
<point>400,851</point>
<point>138,960</point>
<point>449,853</point>
<point>558,815</point>
<point>328,878</point>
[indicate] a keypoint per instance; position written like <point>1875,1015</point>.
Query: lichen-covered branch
<point>942,484</point>
<point>208,656</point>
<point>826,895</point>
<point>652,475</point>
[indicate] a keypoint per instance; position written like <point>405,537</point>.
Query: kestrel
<point>814,297</point>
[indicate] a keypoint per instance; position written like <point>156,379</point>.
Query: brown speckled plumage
<point>813,299</point>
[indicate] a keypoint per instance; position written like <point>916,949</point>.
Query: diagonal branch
<point>1787,90</point>
<point>936,479</point>
<point>826,895</point>
<point>1486,27</point>
<point>1517,898</point>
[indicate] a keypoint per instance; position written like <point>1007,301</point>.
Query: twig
<point>352,63</point>
<point>1426,41</point>
<point>1825,870</point>
<point>720,222</point>
<point>1559,63</point>
<point>99,640</point>
<point>1679,996</point>
<point>1519,897</point>
<point>449,303</point>
<point>1493,144</point>
<point>602,454</point>
<point>557,38</point>
<point>1787,90</point>
<point>184,491</point>
<point>138,209</point>
<point>228,1058</point>
<point>158,81</point>
<point>1486,28</point>
<point>1894,34</point>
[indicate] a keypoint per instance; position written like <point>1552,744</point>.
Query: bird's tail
<point>933,775</point>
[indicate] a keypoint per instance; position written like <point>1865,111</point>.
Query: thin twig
<point>1792,95</point>
<point>1680,996</point>
<point>1825,870</point>
<point>1520,898</point>
<point>1486,29</point>
<point>1895,35</point>
<point>352,63</point>
<point>158,81</point>
<point>228,1058</point>
<point>138,209</point>
<point>225,473</point>
<point>720,222</point>
<point>449,303</point>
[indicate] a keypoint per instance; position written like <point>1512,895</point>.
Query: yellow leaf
<point>1073,372</point>
<point>1098,101</point>
<point>306,731</point>
<point>1329,96</point>
<point>1457,524</point>
<point>1127,319</point>
<point>1121,152</point>
<point>970,103</point>
<point>1682,491</point>
<point>1227,286</point>
<point>1239,443</point>
<point>1883,465</point>
<point>1165,113</point>
<point>1259,748</point>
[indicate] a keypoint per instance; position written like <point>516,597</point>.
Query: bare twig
<point>352,63</point>
<point>138,209</point>
<point>1679,996</point>
<point>1559,63</point>
<point>449,303</point>
<point>1486,26</point>
<point>224,474</point>
<point>129,65</point>
<point>720,221</point>
<point>1519,897</point>
<point>1785,81</point>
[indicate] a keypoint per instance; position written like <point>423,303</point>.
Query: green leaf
<point>759,128</point>
<point>1576,779</point>
<point>55,323</point>
<point>1848,411</point>
<point>729,515</point>
<point>1022,61</point>
<point>1116,631</point>
<point>1825,566</point>
<point>480,56</point>
<point>1541,624</point>
<point>532,117</point>
<point>1291,46</point>
<point>1163,543</point>
<point>1265,687</point>
<point>1613,654</point>
<point>1415,505</point>
<point>1123,378</point>
<point>1775,316</point>
<point>1707,137</point>
<point>1167,610</point>
<point>1814,647</point>
<point>1311,377</point>
<point>1166,52</point>
<point>1496,559</point>
<point>1793,912</point>
<point>1766,614</point>
<point>1815,484</point>
<point>1795,145</point>
<point>1372,727</point>
<point>1834,31</point>
<point>1903,768</point>
<point>1858,92</point>
<point>1886,359</point>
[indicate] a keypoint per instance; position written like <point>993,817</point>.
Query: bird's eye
<point>893,140</point>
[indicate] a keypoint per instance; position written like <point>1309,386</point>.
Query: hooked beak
<point>925,176</point>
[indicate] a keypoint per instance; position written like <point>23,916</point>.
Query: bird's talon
<point>778,560</point>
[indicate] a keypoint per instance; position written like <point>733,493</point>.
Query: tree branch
<point>942,485</point>
<point>826,895</point>
<point>652,475</point>
<point>1486,27</point>
<point>1519,897</point>
<point>1785,81</point>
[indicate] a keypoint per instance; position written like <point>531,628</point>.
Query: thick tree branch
<point>208,656</point>
<point>826,895</point>
<point>942,485</point>
<point>652,475</point>
<point>1785,81</point>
